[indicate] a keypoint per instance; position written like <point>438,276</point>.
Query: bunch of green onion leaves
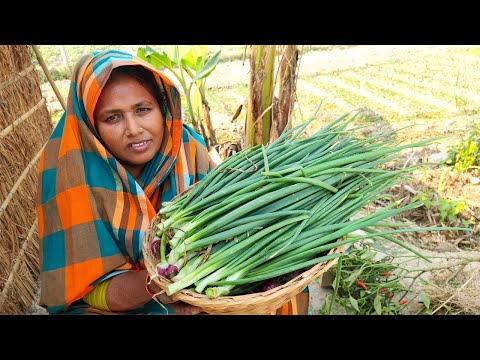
<point>272,210</point>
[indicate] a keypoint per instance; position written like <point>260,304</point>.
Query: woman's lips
<point>139,146</point>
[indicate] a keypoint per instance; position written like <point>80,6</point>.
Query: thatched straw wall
<point>25,125</point>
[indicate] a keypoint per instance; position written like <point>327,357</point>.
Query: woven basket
<point>260,303</point>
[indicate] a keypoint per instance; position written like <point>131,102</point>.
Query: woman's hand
<point>181,308</point>
<point>164,298</point>
<point>178,307</point>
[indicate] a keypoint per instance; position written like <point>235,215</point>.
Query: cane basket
<point>260,303</point>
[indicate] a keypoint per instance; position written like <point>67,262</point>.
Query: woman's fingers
<point>181,308</point>
<point>164,298</point>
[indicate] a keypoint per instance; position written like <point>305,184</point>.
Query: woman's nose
<point>132,126</point>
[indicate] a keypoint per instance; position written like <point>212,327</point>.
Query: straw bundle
<point>25,125</point>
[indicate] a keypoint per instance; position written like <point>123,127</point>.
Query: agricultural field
<point>433,87</point>
<point>427,90</point>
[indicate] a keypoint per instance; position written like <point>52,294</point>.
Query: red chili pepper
<point>385,274</point>
<point>390,295</point>
<point>382,290</point>
<point>404,301</point>
<point>362,285</point>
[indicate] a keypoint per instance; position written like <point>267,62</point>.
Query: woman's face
<point>129,120</point>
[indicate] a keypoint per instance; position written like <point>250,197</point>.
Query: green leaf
<point>199,51</point>
<point>149,50</point>
<point>460,206</point>
<point>200,62</point>
<point>425,299</point>
<point>188,61</point>
<point>154,58</point>
<point>326,305</point>
<point>353,276</point>
<point>141,53</point>
<point>172,52</point>
<point>354,303</point>
<point>208,68</point>
<point>377,304</point>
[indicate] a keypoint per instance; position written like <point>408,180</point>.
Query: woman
<point>119,150</point>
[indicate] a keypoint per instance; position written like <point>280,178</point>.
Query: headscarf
<point>92,214</point>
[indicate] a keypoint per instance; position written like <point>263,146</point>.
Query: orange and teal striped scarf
<point>92,214</point>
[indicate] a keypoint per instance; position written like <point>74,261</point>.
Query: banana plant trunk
<point>212,140</point>
<point>260,101</point>
<point>287,80</point>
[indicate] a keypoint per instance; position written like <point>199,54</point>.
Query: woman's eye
<point>112,118</point>
<point>143,109</point>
